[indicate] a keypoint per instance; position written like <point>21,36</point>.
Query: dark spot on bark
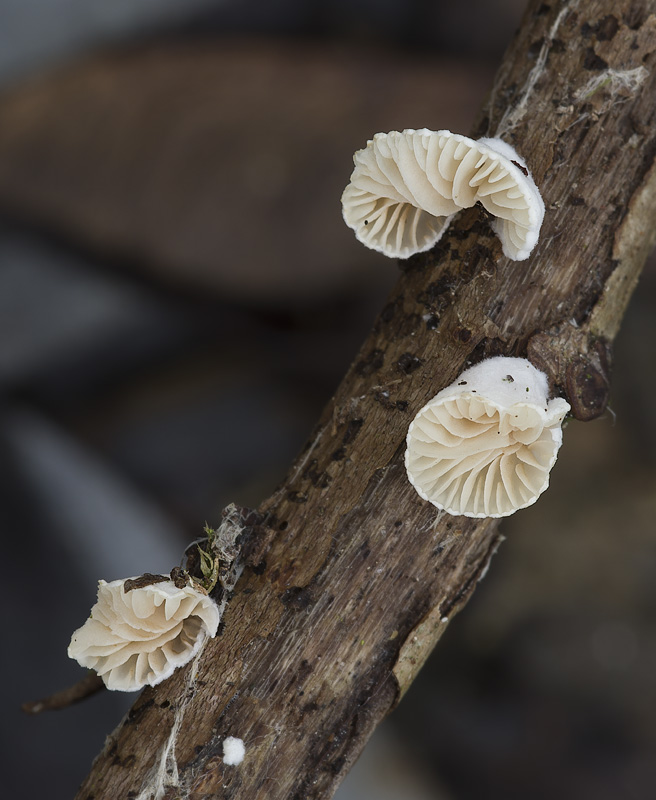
<point>165,704</point>
<point>178,577</point>
<point>607,28</point>
<point>438,550</point>
<point>557,46</point>
<point>297,497</point>
<point>338,765</point>
<point>338,455</point>
<point>588,390</point>
<point>398,523</point>
<point>586,30</point>
<point>365,551</point>
<point>545,8</point>
<point>463,335</point>
<point>147,579</point>
<point>635,17</point>
<point>308,708</point>
<point>260,568</point>
<point>575,200</point>
<point>408,363</point>
<point>485,253</point>
<point>520,167</point>
<point>297,598</point>
<point>389,311</point>
<point>320,480</point>
<point>304,670</point>
<point>535,47</point>
<point>402,405</point>
<point>432,296</point>
<point>136,711</point>
<point>125,763</point>
<point>407,325</point>
<point>371,363</point>
<point>487,348</point>
<point>352,430</point>
<point>419,262</point>
<point>199,748</point>
<point>381,396</point>
<point>432,322</point>
<point>592,61</point>
<point>283,525</point>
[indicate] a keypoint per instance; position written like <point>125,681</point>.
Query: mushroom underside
<point>482,461</point>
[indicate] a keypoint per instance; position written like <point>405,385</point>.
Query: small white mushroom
<point>138,638</point>
<point>484,446</point>
<point>407,185</point>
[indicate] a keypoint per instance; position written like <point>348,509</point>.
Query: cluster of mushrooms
<point>482,447</point>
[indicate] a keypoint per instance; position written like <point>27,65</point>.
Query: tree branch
<point>362,576</point>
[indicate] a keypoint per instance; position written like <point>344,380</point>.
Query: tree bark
<point>362,576</point>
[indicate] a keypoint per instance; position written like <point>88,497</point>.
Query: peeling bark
<point>362,576</point>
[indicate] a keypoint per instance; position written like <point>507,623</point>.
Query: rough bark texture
<point>362,576</point>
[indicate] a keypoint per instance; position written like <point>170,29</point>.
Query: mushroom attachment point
<point>407,185</point>
<point>138,637</point>
<point>484,446</point>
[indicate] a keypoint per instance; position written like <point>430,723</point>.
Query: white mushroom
<point>484,446</point>
<point>407,185</point>
<point>139,637</point>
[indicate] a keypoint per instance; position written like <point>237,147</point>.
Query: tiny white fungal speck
<point>233,751</point>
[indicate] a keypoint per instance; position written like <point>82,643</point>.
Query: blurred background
<point>178,299</point>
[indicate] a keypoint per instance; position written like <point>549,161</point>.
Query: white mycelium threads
<point>407,185</point>
<point>484,446</point>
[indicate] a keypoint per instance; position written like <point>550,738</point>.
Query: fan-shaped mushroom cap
<point>138,638</point>
<point>484,446</point>
<point>407,185</point>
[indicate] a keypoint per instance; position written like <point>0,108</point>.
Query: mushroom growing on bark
<point>138,637</point>
<point>407,185</point>
<point>484,446</point>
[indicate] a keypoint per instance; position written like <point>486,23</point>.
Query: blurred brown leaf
<point>218,164</point>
